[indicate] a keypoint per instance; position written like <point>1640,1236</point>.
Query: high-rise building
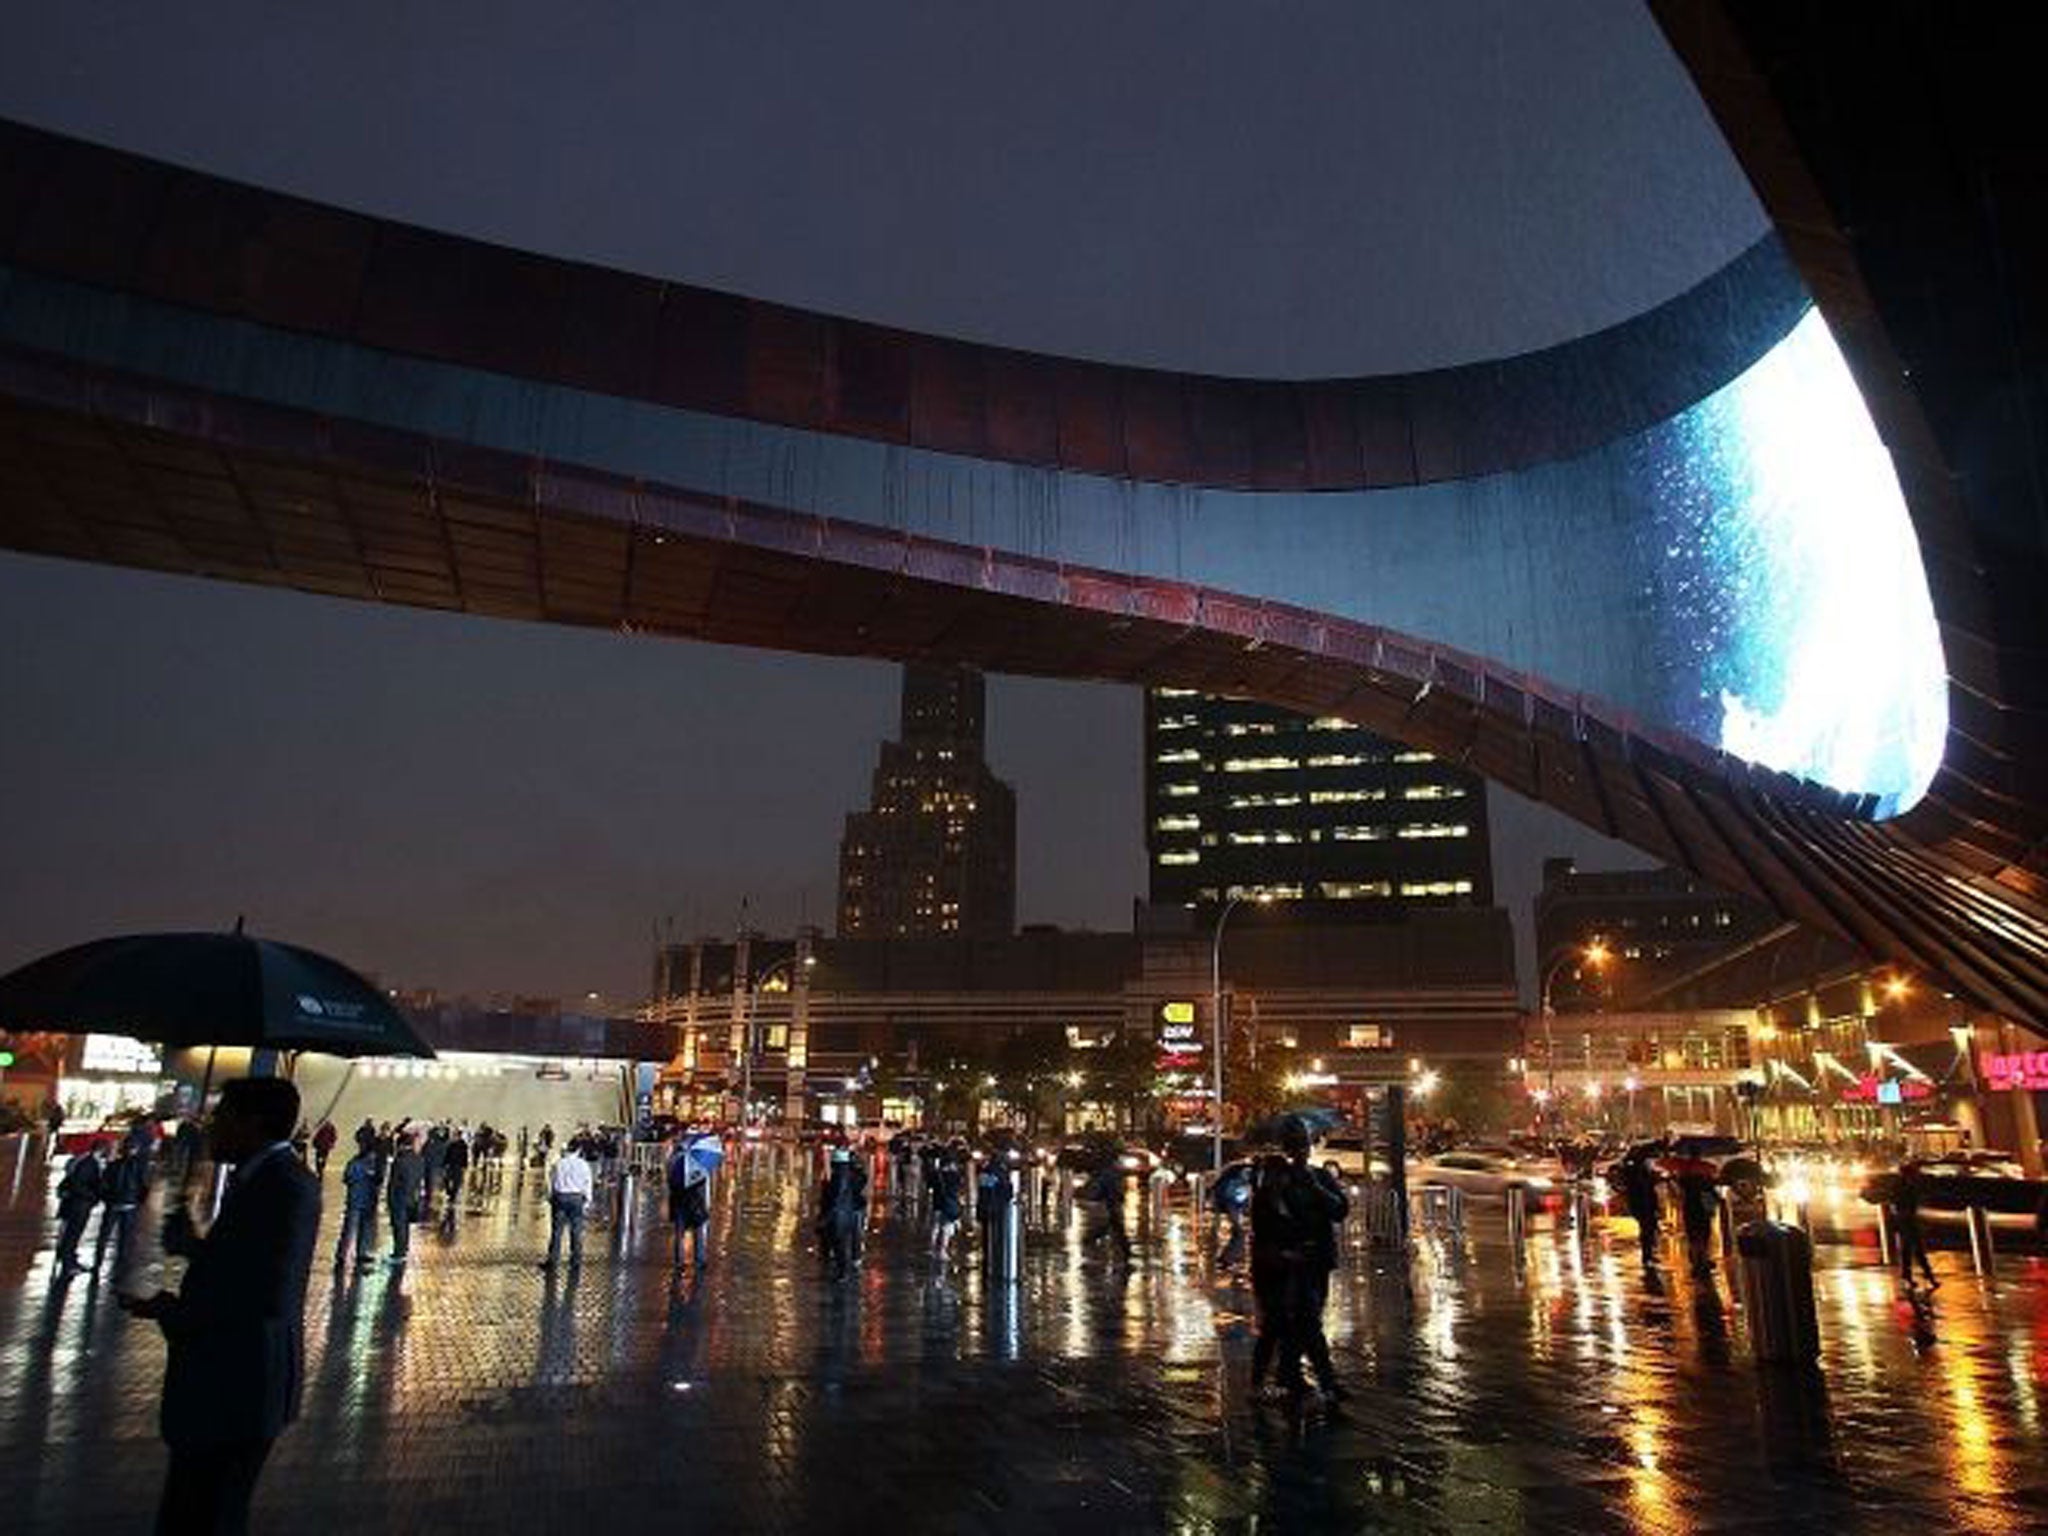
<point>1656,925</point>
<point>1248,800</point>
<point>936,850</point>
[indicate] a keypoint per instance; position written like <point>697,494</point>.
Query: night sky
<point>492,808</point>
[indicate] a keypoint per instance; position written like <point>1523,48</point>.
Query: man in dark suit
<point>235,1329</point>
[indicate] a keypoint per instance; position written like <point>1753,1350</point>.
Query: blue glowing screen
<point>1796,628</point>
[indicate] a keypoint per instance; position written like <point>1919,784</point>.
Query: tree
<point>1128,1069</point>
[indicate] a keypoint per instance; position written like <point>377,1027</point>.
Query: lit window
<point>1436,887</point>
<point>1258,764</point>
<point>1329,723</point>
<point>1357,834</point>
<point>1344,796</point>
<point>1180,856</point>
<point>1174,723</point>
<point>1250,728</point>
<point>1241,838</point>
<point>1260,802</point>
<point>1429,829</point>
<point>1180,755</point>
<point>1173,693</point>
<point>1178,823</point>
<point>1338,760</point>
<point>1180,789</point>
<point>1433,792</point>
<point>1414,757</point>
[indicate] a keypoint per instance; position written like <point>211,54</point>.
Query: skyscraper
<point>1248,800</point>
<point>936,850</point>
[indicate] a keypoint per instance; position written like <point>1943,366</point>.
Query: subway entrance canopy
<point>1639,405</point>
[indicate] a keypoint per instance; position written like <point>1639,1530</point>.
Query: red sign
<point>2022,1069</point>
<point>1872,1089</point>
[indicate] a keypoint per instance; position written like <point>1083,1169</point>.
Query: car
<point>1487,1174</point>
<point>1350,1157</point>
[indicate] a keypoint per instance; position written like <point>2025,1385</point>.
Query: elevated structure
<point>1656,574</point>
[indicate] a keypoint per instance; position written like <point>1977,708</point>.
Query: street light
<point>1216,1023</point>
<point>1594,954</point>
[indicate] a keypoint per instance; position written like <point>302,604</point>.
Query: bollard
<point>1982,1254</point>
<point>1582,1210</point>
<point>1518,1215</point>
<point>1886,1239</point>
<point>1777,1292</point>
<point>622,1225</point>
<point>1161,1182</point>
<point>1011,1241</point>
<point>1727,1204</point>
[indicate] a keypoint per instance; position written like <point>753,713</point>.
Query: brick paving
<point>475,1393</point>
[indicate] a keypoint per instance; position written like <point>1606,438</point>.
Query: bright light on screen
<point>1798,630</point>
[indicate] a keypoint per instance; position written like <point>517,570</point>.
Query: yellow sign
<point>1177,1013</point>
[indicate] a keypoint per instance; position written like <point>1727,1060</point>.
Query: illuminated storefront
<point>106,1074</point>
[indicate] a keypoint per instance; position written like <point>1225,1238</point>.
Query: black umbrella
<point>207,989</point>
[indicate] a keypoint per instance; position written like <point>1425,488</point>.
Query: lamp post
<point>1595,955</point>
<point>1216,1025</point>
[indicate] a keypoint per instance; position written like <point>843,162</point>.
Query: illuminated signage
<point>2019,1069</point>
<point>119,1053</point>
<point>1176,1013</point>
<point>1872,1089</point>
<point>1179,1034</point>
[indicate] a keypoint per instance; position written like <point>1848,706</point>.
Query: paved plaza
<point>475,1393</point>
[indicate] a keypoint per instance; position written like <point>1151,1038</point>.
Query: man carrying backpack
<point>1295,1211</point>
<point>689,1205</point>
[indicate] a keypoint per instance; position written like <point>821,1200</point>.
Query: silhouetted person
<point>236,1359</point>
<point>1295,1211</point>
<point>1228,1198</point>
<point>1639,1180</point>
<point>124,1184</point>
<point>1697,1202</point>
<point>942,1182</point>
<point>1107,1186</point>
<point>406,1183</point>
<point>433,1154</point>
<point>454,1164</point>
<point>1907,1192</point>
<point>689,1205</point>
<point>841,1205</point>
<point>77,1193</point>
<point>323,1145</point>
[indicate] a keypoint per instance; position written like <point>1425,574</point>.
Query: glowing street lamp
<point>1596,954</point>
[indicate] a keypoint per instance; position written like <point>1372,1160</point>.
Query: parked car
<point>1487,1174</point>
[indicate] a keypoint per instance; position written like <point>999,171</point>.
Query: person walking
<point>432,1156</point>
<point>942,1181</point>
<point>360,1178</point>
<point>689,1205</point>
<point>840,1207</point>
<point>1639,1180</point>
<point>454,1165</point>
<point>1295,1212</point>
<point>403,1188</point>
<point>1697,1202</point>
<point>1107,1186</point>
<point>1907,1192</point>
<point>323,1145</point>
<point>235,1329</point>
<point>124,1185</point>
<point>1229,1198</point>
<point>77,1193</point>
<point>569,1189</point>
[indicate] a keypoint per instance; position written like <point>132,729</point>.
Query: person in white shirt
<point>569,1188</point>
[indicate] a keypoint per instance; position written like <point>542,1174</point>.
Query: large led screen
<point>1795,627</point>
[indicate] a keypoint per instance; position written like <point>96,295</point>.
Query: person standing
<point>402,1191</point>
<point>124,1184</point>
<point>569,1189</point>
<point>433,1155</point>
<point>1107,1186</point>
<point>236,1327</point>
<point>1639,1181</point>
<point>1295,1212</point>
<point>323,1145</point>
<point>1907,1193</point>
<point>360,1177</point>
<point>689,1205</point>
<point>77,1193</point>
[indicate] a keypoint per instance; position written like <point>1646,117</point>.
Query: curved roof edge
<point>120,221</point>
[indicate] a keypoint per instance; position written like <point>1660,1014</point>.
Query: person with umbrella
<point>689,1196</point>
<point>1698,1199</point>
<point>236,1327</point>
<point>1230,1198</point>
<point>942,1185</point>
<point>1295,1212</point>
<point>1639,1179</point>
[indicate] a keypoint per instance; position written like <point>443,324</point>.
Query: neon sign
<point>1872,1089</point>
<point>2019,1069</point>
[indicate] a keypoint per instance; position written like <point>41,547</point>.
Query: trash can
<point>1777,1292</point>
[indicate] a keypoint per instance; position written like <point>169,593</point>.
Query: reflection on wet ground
<point>1558,1393</point>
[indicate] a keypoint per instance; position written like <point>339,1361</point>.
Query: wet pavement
<point>474,1393</point>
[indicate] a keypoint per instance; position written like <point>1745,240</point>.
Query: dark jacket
<point>236,1327</point>
<point>1295,1211</point>
<point>125,1181</point>
<point>456,1158</point>
<point>408,1179</point>
<point>79,1189</point>
<point>845,1196</point>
